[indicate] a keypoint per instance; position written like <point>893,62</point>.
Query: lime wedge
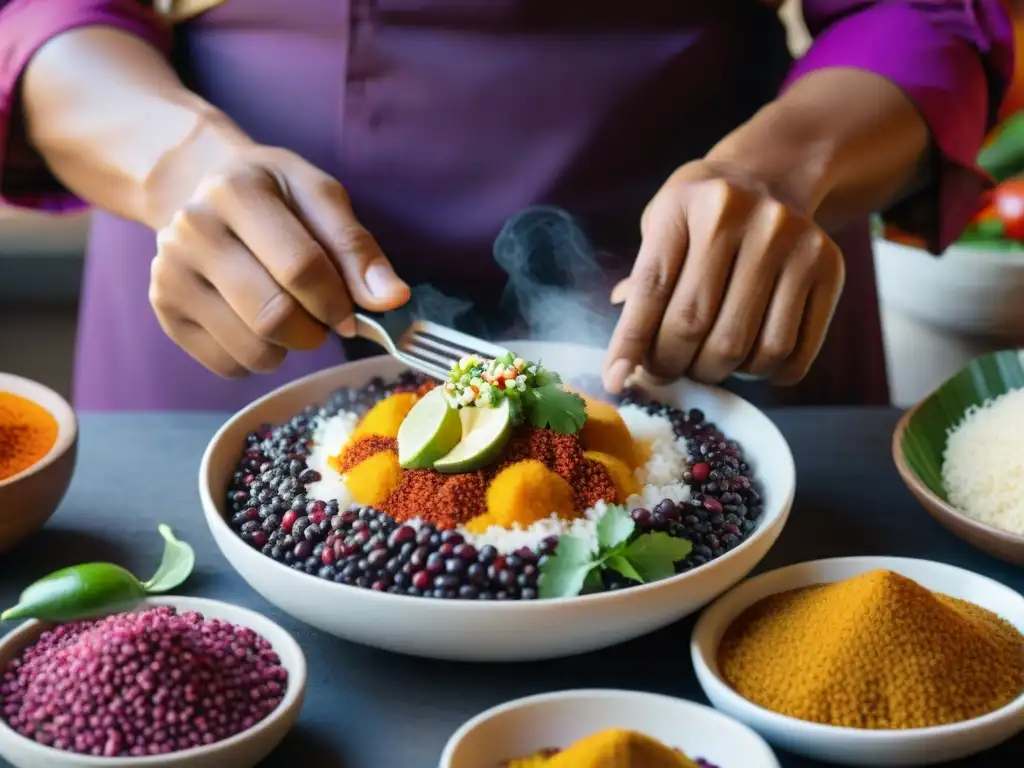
<point>431,430</point>
<point>484,433</point>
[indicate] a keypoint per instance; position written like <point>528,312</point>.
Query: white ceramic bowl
<point>525,726</point>
<point>243,750</point>
<point>854,746</point>
<point>29,498</point>
<point>492,631</point>
<point>966,290</point>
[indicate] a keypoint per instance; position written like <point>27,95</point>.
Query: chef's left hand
<point>729,279</point>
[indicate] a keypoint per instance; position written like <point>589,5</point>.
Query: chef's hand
<point>265,258</point>
<point>728,279</point>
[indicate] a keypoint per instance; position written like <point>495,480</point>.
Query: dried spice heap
<point>876,651</point>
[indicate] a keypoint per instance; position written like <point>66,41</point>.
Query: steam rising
<point>557,289</point>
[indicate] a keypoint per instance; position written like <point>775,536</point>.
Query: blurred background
<point>926,339</point>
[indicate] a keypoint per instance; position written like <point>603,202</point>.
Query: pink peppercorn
<point>137,684</point>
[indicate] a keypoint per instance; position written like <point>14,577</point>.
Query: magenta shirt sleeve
<point>25,25</point>
<point>954,59</point>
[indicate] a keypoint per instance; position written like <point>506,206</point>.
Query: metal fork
<point>427,347</point>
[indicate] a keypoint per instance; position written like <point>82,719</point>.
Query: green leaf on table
<point>654,555</point>
<point>551,407</point>
<point>566,571</point>
<point>614,528</point>
<point>176,566</point>
<point>622,566</point>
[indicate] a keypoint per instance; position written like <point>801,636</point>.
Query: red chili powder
<point>592,484</point>
<point>359,450</point>
<point>444,500</point>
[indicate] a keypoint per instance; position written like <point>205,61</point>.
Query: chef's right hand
<point>266,257</point>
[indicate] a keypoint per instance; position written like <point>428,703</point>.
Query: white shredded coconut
<point>983,465</point>
<point>660,478</point>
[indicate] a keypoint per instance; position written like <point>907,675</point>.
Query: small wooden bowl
<point>1002,544</point>
<point>29,498</point>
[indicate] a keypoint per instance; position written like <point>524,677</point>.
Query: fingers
<point>697,300</point>
<point>821,305</point>
<point>767,245</point>
<point>651,282</point>
<point>326,210</point>
<point>251,205</point>
<point>620,292</point>
<point>780,331</point>
<point>199,240</point>
<point>208,330</point>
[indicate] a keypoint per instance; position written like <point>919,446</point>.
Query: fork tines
<point>439,347</point>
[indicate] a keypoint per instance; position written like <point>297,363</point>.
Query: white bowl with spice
<point>244,749</point>
<point>36,473</point>
<point>479,630</point>
<point>876,645</point>
<point>529,725</point>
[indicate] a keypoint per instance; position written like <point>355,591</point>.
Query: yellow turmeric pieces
<point>605,431</point>
<point>613,748</point>
<point>372,480</point>
<point>876,651</point>
<point>523,493</point>
<point>622,476</point>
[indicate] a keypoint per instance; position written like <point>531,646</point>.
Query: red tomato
<point>1008,200</point>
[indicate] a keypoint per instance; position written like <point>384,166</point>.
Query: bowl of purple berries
<point>511,512</point>
<point>178,681</point>
<point>586,728</point>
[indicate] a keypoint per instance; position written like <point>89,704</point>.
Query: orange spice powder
<point>27,433</point>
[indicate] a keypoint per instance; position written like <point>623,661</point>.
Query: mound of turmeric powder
<point>614,748</point>
<point>877,651</point>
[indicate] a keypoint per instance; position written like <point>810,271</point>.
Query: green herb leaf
<point>614,528</point>
<point>546,378</point>
<point>176,566</point>
<point>565,572</point>
<point>621,565</point>
<point>552,407</point>
<point>593,581</point>
<point>654,555</point>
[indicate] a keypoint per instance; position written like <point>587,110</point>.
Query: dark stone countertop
<point>370,709</point>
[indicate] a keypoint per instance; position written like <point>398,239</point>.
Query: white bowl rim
<point>297,682</point>
<point>210,510</point>
<point>993,255</point>
<point>699,652</point>
<point>66,419</point>
<point>590,693</point>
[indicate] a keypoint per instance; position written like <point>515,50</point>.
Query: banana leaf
<point>982,379</point>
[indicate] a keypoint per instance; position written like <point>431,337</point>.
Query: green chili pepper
<point>96,589</point>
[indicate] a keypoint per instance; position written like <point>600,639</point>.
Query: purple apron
<point>443,118</point>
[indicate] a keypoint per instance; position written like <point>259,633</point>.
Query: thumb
<point>369,276</point>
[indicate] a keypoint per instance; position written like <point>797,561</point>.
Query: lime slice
<point>484,433</point>
<point>431,430</point>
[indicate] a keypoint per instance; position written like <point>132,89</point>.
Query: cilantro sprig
<point>576,568</point>
<point>534,393</point>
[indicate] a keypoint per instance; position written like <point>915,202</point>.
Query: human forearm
<point>116,125</point>
<point>839,144</point>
